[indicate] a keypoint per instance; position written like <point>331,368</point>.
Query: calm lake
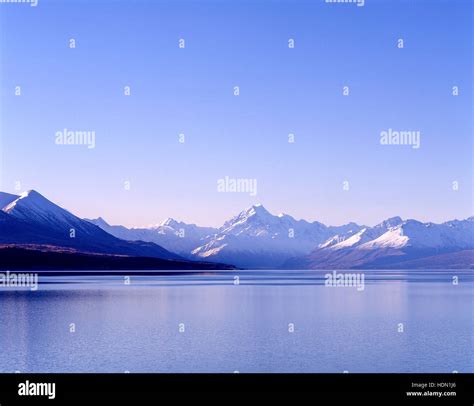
<point>262,321</point>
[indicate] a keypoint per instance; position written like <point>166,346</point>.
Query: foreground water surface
<point>262,321</point>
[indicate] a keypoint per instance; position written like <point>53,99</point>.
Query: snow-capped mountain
<point>33,208</point>
<point>394,243</point>
<point>353,239</point>
<point>253,238</point>
<point>257,238</point>
<point>396,233</point>
<point>32,219</point>
<point>414,234</point>
<point>173,235</point>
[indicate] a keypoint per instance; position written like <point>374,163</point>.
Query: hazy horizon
<point>235,214</point>
<point>282,91</point>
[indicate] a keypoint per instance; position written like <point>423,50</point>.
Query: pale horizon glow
<point>230,217</point>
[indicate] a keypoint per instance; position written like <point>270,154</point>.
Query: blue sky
<point>282,91</point>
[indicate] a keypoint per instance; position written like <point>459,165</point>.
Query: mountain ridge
<point>254,238</point>
<point>33,219</point>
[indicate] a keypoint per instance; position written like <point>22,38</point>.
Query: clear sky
<point>282,91</point>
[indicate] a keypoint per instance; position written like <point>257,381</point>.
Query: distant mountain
<point>363,235</point>
<point>33,219</point>
<point>173,235</point>
<point>395,243</point>
<point>257,238</point>
<point>254,238</point>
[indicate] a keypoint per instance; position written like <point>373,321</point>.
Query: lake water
<point>270,321</point>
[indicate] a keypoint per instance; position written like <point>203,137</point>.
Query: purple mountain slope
<point>33,219</point>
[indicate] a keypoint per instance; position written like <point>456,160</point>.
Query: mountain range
<point>254,238</point>
<point>396,243</point>
<point>31,222</point>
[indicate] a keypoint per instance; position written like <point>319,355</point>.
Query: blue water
<point>244,327</point>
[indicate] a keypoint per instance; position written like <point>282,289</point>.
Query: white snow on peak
<point>393,238</point>
<point>169,222</point>
<point>256,209</point>
<point>412,233</point>
<point>255,231</point>
<point>390,222</point>
<point>261,233</point>
<point>32,206</point>
<point>350,241</point>
<point>31,198</point>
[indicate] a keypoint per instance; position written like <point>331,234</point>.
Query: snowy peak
<point>171,234</point>
<point>414,234</point>
<point>32,206</point>
<point>358,236</point>
<point>393,238</point>
<point>395,243</point>
<point>170,222</point>
<point>256,220</point>
<point>257,238</point>
<point>352,239</point>
<point>30,194</point>
<point>33,219</point>
<point>398,234</point>
<point>257,210</point>
<point>35,209</point>
<point>389,223</point>
<point>181,229</point>
<point>254,212</point>
<point>254,238</point>
<point>30,197</point>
